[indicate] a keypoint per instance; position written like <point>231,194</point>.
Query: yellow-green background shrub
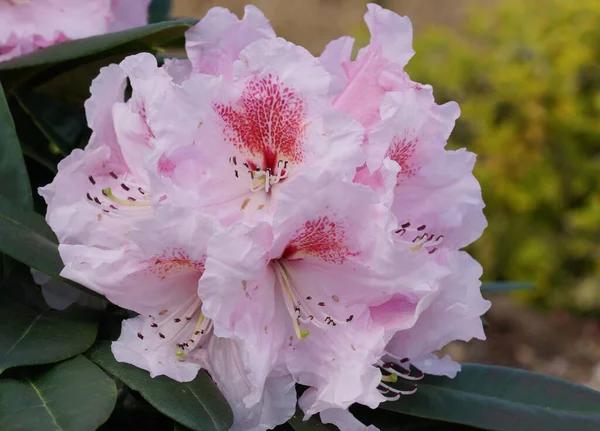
<point>527,77</point>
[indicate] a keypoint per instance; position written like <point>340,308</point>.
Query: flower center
<point>301,306</point>
<point>260,179</point>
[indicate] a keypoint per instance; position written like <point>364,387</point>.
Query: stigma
<point>260,179</point>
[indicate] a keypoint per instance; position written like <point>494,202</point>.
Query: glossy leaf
<point>312,424</point>
<point>60,58</point>
<point>27,238</point>
<point>386,420</point>
<point>75,395</point>
<point>31,333</point>
<point>62,124</point>
<point>14,182</point>
<point>505,286</point>
<point>198,404</point>
<point>503,399</point>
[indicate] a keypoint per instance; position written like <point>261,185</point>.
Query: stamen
<point>203,325</point>
<point>303,312</point>
<point>420,240</point>
<point>109,194</point>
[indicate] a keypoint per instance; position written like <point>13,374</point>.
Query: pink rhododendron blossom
<point>276,218</point>
<point>115,237</point>
<point>27,25</point>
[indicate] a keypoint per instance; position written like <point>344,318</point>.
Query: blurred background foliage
<point>527,77</point>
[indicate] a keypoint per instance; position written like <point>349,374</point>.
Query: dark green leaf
<point>74,395</point>
<point>61,58</point>
<point>313,424</point>
<point>159,10</point>
<point>14,182</point>
<point>62,124</point>
<point>197,405</point>
<point>27,238</point>
<point>504,399</point>
<point>505,286</point>
<point>31,333</point>
<point>387,420</point>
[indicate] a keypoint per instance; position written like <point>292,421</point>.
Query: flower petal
<point>254,408</point>
<point>378,67</point>
<point>167,263</point>
<point>337,362</point>
<point>453,313</point>
<point>215,42</point>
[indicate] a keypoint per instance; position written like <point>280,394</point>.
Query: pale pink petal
<point>413,134</point>
<point>155,349</point>
<point>254,408</point>
<point>179,69</point>
<point>378,67</point>
<point>28,25</point>
<point>215,42</point>
<point>436,366</point>
<point>450,185</point>
<point>78,212</point>
<point>134,120</point>
<point>231,135</point>
<point>238,294</point>
<point>128,14</point>
<point>453,313</point>
<point>167,263</point>
<point>338,363</point>
<point>107,89</point>
<point>334,56</point>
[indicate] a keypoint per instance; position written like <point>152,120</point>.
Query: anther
<point>92,180</point>
<point>112,174</point>
<point>140,336</point>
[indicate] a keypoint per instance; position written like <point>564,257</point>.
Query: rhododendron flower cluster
<point>276,218</point>
<point>27,25</point>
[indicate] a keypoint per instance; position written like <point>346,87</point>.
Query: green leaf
<point>62,124</point>
<point>313,424</point>
<point>14,182</point>
<point>74,395</point>
<point>386,420</point>
<point>61,58</point>
<point>27,238</point>
<point>31,333</point>
<point>197,405</point>
<point>159,10</point>
<point>505,286</point>
<point>503,399</point>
